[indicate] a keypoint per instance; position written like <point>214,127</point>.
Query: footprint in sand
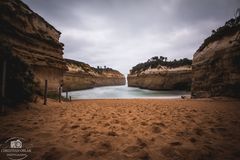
<point>101,149</point>
<point>104,147</point>
<point>112,133</point>
<point>175,143</point>
<point>193,140</point>
<point>53,154</point>
<point>134,118</point>
<point>44,135</point>
<point>144,124</point>
<point>64,126</point>
<point>91,153</point>
<point>86,137</point>
<point>159,124</point>
<point>74,126</point>
<point>180,153</point>
<point>198,131</point>
<point>60,153</point>
<point>84,128</point>
<point>157,127</point>
<point>184,133</point>
<point>136,152</point>
<point>35,123</point>
<point>132,149</point>
<point>41,120</point>
<point>115,121</point>
<point>106,125</point>
<point>141,143</point>
<point>220,129</point>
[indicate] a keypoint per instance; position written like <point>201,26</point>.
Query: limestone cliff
<point>33,40</point>
<point>216,64</point>
<point>162,78</point>
<point>82,76</point>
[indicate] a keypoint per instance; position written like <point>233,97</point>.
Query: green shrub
<point>20,86</point>
<point>154,62</point>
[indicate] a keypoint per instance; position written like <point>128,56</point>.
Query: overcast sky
<point>122,33</point>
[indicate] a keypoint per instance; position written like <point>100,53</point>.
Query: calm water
<point>123,92</point>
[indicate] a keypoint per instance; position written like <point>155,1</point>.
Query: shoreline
<point>161,99</point>
<point>125,92</point>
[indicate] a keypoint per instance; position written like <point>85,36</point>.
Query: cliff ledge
<point>157,74</point>
<point>33,40</point>
<point>82,76</point>
<point>216,64</point>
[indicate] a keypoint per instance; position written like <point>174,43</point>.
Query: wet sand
<point>127,129</point>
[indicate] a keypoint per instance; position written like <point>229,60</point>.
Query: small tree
<point>154,58</point>
<point>165,59</point>
<point>161,58</point>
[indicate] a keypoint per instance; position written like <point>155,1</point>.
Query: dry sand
<point>128,129</point>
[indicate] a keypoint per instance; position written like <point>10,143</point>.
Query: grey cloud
<point>122,33</point>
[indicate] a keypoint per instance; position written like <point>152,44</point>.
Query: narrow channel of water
<point>121,92</point>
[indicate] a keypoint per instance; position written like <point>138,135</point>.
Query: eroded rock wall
<point>82,76</point>
<point>216,68</point>
<point>166,79</point>
<point>33,40</point>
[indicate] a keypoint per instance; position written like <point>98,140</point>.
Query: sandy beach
<point>127,129</point>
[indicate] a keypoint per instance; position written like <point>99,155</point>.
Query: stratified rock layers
<point>216,68</point>
<point>167,79</point>
<point>33,40</point>
<point>82,76</point>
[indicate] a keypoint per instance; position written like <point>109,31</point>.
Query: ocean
<point>124,92</point>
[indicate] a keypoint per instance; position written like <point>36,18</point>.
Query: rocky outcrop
<point>162,78</point>
<point>82,76</point>
<point>216,64</point>
<point>33,40</point>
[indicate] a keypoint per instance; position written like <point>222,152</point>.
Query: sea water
<point>123,92</point>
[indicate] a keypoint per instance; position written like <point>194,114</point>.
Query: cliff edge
<point>160,74</point>
<point>34,41</point>
<point>82,76</point>
<point>216,64</point>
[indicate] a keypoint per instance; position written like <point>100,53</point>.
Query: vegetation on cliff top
<point>87,67</point>
<point>230,27</point>
<point>156,61</point>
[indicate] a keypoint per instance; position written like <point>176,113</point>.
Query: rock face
<point>33,40</point>
<point>163,78</point>
<point>216,65</point>
<point>82,76</point>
